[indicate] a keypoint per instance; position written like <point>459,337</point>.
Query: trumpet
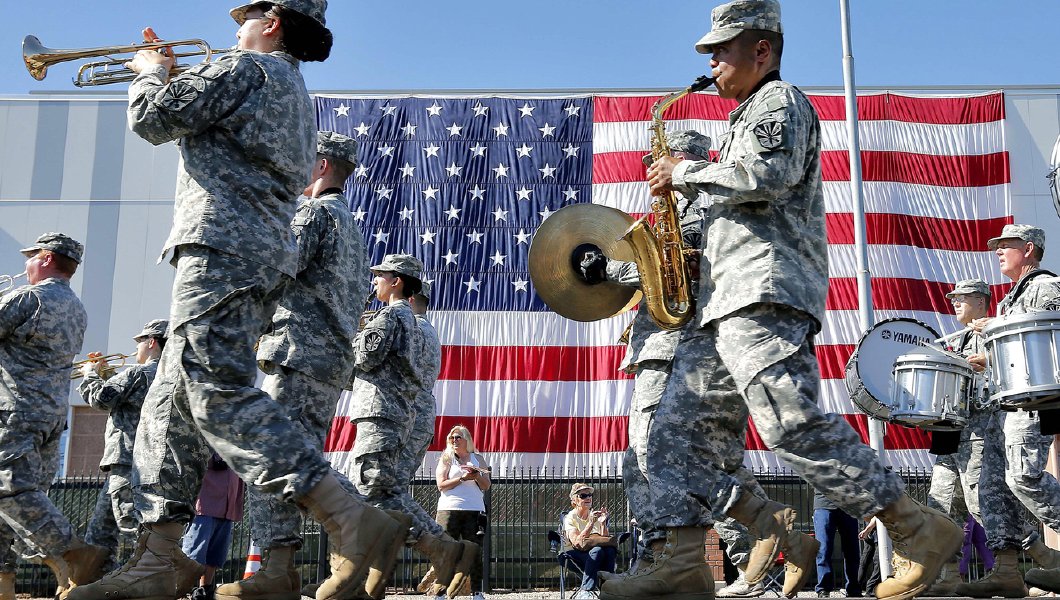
<point>108,371</point>
<point>111,68</point>
<point>7,282</point>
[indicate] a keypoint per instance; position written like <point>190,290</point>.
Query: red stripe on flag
<point>875,107</point>
<point>892,293</point>
<point>901,167</point>
<point>897,438</point>
<point>919,232</point>
<point>532,363</point>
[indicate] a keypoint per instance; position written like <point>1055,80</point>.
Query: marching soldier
<point>42,326</point>
<point>388,380</point>
<point>247,136</point>
<point>429,364</point>
<point>1018,455</point>
<point>764,278</point>
<point>122,395</point>
<point>307,351</point>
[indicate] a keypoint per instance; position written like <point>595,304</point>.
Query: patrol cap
<point>425,290</point>
<point>970,286</point>
<point>60,243</point>
<point>690,141</point>
<point>337,146</point>
<point>1027,233</point>
<point>405,264</point>
<point>730,20</point>
<point>314,9</point>
<point>578,488</point>
<point>154,329</point>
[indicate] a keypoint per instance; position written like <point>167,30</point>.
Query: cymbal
<point>554,277</point>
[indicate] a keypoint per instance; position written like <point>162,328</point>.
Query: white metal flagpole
<point>861,247</point>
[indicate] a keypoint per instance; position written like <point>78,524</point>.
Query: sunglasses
<point>584,496</point>
<point>454,438</point>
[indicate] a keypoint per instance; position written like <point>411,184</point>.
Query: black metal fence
<point>522,509</point>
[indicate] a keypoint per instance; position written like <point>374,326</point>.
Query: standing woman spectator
<point>587,540</point>
<point>462,477</point>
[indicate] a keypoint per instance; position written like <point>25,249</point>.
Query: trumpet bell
<point>33,54</point>
<point>555,280</point>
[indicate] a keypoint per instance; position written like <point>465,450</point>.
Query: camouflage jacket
<point>428,364</point>
<point>247,132</point>
<point>42,328</point>
<point>646,340</point>
<point>316,321</point>
<point>764,229</point>
<point>122,396</point>
<point>1029,295</point>
<point>385,355</point>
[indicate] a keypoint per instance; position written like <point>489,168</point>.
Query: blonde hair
<point>448,454</point>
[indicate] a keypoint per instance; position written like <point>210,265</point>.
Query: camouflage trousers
<point>648,387</point>
<point>759,360</point>
<point>374,472</point>
<point>29,459</point>
<point>113,514</point>
<point>419,440</point>
<point>1026,454</point>
<point>204,393</point>
<point>310,405</point>
<point>999,509</point>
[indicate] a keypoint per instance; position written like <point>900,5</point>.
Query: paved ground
<point>542,595</point>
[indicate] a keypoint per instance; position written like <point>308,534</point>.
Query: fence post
<point>323,565</point>
<point>487,545</point>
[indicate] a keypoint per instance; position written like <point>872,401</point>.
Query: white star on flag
<point>571,151</point>
<point>526,110</point>
<point>453,213</point>
<point>431,150</point>
<point>500,215</point>
<point>384,192</point>
<point>478,150</point>
<point>475,237</point>
<point>523,193</point>
<point>498,258</point>
<point>521,237</point>
<point>501,170</point>
<point>409,129</point>
<point>480,111</point>
<point>472,284</point>
<point>427,236</point>
<point>570,194</point>
<point>545,213</point>
<point>434,110</point>
<point>430,193</point>
<point>520,285</point>
<point>361,129</point>
<point>453,170</point>
<point>477,193</point>
<point>501,129</point>
<point>524,150</point>
<point>380,237</point>
<point>408,170</point>
<point>450,257</point>
<point>547,130</point>
<point>388,111</point>
<point>386,150</point>
<point>454,130</point>
<point>547,171</point>
<point>406,213</point>
<point>342,110</point>
<point>358,215</point>
<point>572,110</point>
<point>360,171</point>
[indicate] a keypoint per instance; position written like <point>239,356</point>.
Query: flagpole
<point>861,250</point>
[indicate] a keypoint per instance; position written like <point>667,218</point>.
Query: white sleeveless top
<point>466,496</point>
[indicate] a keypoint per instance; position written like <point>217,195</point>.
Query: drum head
<point>872,361</point>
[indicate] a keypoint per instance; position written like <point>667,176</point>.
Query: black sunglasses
<point>456,437</point>
<point>584,496</point>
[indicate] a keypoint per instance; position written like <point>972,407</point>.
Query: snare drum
<point>868,372</point>
<point>932,391</point>
<point>1024,360</point>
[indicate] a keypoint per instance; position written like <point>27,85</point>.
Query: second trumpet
<point>108,371</point>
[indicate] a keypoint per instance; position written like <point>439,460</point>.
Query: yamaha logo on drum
<point>904,338</point>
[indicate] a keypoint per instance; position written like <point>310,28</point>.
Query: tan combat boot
<point>800,560</point>
<point>1003,580</point>
<point>188,573</point>
<point>445,555</point>
<point>946,584</point>
<point>149,575</point>
<point>7,586</point>
<point>924,539</point>
<point>644,558</point>
<point>462,574</point>
<point>277,579</point>
<point>770,522</point>
<point>678,571</point>
<point>81,564</point>
<point>380,570</point>
<point>1047,575</point>
<point>357,533</point>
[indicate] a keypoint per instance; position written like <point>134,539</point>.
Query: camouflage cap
<point>1027,233</point>
<point>970,286</point>
<point>425,290</point>
<point>690,142</point>
<point>730,20</point>
<point>154,329</point>
<point>314,9</point>
<point>337,146</point>
<point>60,243</point>
<point>577,488</point>
<point>405,264</point>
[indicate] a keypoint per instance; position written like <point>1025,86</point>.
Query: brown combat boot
<point>770,522</point>
<point>188,573</point>
<point>946,584</point>
<point>445,555</point>
<point>380,570</point>
<point>1003,580</point>
<point>277,579</point>
<point>800,560</point>
<point>924,539</point>
<point>357,533</point>
<point>678,571</point>
<point>149,575</point>
<point>462,574</point>
<point>1047,575</point>
<point>7,586</point>
<point>80,565</point>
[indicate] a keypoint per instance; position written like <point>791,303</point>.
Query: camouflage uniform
<point>42,327</point>
<point>308,351</point>
<point>247,138</point>
<point>384,393</point>
<point>429,364</point>
<point>122,396</point>
<point>763,284</point>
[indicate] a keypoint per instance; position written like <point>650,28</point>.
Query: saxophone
<point>660,257</point>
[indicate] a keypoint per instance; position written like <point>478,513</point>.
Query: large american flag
<point>464,182</point>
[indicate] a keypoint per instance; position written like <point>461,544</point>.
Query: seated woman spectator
<point>462,476</point>
<point>587,540</point>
